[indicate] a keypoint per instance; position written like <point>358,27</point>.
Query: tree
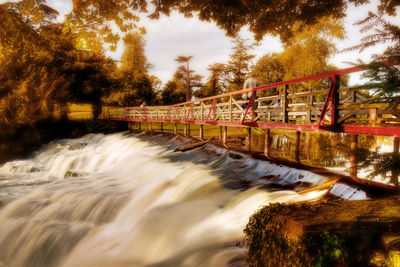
<point>263,17</point>
<point>239,64</point>
<point>186,76</point>
<point>384,31</point>
<point>216,83</point>
<point>384,76</point>
<point>135,84</point>
<point>268,69</point>
<point>93,20</point>
<point>42,70</point>
<point>172,93</point>
<point>133,59</point>
<point>384,68</point>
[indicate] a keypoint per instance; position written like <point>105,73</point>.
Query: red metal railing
<point>349,109</point>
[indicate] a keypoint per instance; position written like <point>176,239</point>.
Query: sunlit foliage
<point>306,55</point>
<point>96,21</point>
<point>41,70</point>
<point>133,85</point>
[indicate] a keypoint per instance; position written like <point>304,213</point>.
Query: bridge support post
<point>161,127</point>
<point>175,128</point>
<point>139,126</point>
<point>201,132</point>
<point>129,126</point>
<point>186,129</point>
<point>353,157</point>
<point>395,174</point>
<point>220,132</point>
<point>249,138</point>
<point>225,135</point>
<point>297,147</point>
<point>150,126</point>
<point>266,144</point>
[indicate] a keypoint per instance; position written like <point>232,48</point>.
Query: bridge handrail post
<point>285,103</point>
<point>201,110</point>
<point>230,109</point>
<point>335,100</point>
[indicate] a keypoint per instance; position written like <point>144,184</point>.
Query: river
<point>129,200</point>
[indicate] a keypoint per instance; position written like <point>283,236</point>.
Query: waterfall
<point>129,200</point>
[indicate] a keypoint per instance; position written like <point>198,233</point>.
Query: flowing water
<point>130,200</point>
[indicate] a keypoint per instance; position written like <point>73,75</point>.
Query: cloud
<point>176,35</point>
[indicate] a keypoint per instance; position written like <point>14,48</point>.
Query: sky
<point>176,35</point>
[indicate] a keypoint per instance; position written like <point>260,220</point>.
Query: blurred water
<point>129,200</point>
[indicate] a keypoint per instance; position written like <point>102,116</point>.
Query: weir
<point>315,103</point>
<point>130,200</point>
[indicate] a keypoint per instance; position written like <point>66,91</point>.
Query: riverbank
<point>326,233</point>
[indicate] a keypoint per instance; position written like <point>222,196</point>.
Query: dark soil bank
<point>21,141</point>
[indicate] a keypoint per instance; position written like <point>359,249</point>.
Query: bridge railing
<point>315,100</point>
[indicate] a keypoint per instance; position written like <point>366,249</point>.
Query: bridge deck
<point>314,103</point>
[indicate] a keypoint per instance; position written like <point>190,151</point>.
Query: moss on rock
<point>329,233</point>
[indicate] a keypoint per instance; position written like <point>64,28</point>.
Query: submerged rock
<point>70,174</point>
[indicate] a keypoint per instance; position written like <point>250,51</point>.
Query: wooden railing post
<point>201,110</point>
<point>285,103</point>
<point>175,128</point>
<point>373,115</point>
<point>309,105</point>
<point>230,109</point>
<point>161,126</point>
<point>151,126</point>
<point>335,101</point>
<point>140,126</point>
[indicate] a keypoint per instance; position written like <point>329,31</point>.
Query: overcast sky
<point>175,35</point>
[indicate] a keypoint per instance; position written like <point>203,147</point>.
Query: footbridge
<point>314,103</point>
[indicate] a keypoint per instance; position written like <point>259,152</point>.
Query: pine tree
<point>239,64</point>
<point>216,82</point>
<point>186,77</point>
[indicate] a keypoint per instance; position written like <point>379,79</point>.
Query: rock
<point>70,174</point>
<point>326,233</point>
